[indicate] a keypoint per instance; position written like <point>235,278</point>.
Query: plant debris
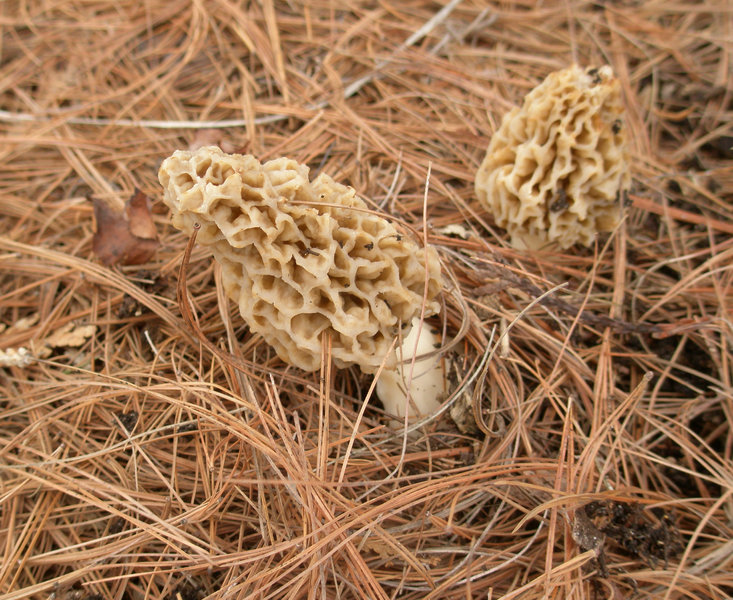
<point>68,336</point>
<point>128,420</point>
<point>125,237</point>
<point>151,283</point>
<point>598,373</point>
<point>651,535</point>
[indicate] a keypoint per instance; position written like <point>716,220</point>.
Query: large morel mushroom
<point>302,258</point>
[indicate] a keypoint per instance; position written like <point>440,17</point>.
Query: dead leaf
<point>127,237</point>
<point>382,550</point>
<point>24,323</point>
<point>68,336</point>
<point>211,137</point>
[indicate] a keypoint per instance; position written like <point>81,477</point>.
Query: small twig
<point>146,333</point>
<point>12,117</point>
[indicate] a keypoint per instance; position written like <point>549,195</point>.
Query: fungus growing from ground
<point>424,378</point>
<point>302,259</point>
<point>556,169</point>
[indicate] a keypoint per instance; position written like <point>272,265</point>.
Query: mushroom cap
<point>302,258</point>
<point>555,169</point>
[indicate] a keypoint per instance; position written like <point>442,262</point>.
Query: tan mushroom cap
<point>302,258</point>
<point>556,168</point>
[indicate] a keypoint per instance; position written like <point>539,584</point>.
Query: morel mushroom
<point>302,258</point>
<point>557,168</point>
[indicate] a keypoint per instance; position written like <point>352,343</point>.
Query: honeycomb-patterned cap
<point>555,169</point>
<point>302,258</point>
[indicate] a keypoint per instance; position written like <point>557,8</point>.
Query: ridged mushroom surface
<point>556,168</point>
<point>302,258</point>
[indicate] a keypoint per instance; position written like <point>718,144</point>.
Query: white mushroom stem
<point>413,387</point>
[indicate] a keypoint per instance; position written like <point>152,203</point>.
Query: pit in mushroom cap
<point>302,257</point>
<point>557,167</point>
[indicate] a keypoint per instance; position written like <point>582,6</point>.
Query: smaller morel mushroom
<point>557,168</point>
<point>303,259</point>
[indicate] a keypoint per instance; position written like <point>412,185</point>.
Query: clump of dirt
<point>651,535</point>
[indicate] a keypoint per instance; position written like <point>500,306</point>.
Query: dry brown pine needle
<point>160,450</point>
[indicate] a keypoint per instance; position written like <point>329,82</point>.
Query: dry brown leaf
<point>68,336</point>
<point>211,137</point>
<point>382,550</point>
<point>24,323</point>
<point>127,237</point>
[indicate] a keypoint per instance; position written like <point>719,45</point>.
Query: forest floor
<point>150,452</point>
